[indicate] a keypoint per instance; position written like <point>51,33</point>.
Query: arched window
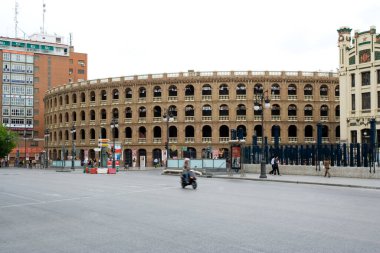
<point>337,132</point>
<point>224,131</point>
<point>173,110</point>
<point>103,133</point>
<point>308,90</point>
<point>60,136</point>
<point>128,113</point>
<point>83,116</point>
<point>275,110</point>
<point>324,110</point>
<point>241,110</point>
<point>66,117</point>
<point>172,91</point>
<point>142,132</point>
<point>206,131</point>
<point>103,114</point>
<point>92,115</point>
<point>189,90</point>
<point>189,131</point>
<point>92,96</point>
<point>67,101</point>
<point>82,134</point>
<point>337,91</point>
<point>292,110</point>
<point>258,89</point>
<point>337,111</point>
<point>115,113</point>
<point>223,110</point>
<point>66,135</point>
<point>292,131</point>
<point>308,111</point>
<point>292,90</point>
<point>241,89</point>
<point>206,90</point>
<point>189,111</point>
<point>74,116</point>
<point>128,132</point>
<point>142,92</point>
<point>92,134</point>
<point>74,98</point>
<point>103,95</point>
<point>128,93</point>
<point>206,110</point>
<point>55,102</point>
<point>323,92</point>
<point>60,118</point>
<point>157,112</point>
<point>308,131</point>
<point>223,89</point>
<point>157,92</point>
<point>115,94</point>
<point>275,89</point>
<point>142,112</point>
<point>82,97</point>
<point>60,101</point>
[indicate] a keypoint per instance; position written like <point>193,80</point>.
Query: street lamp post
<point>47,133</point>
<point>25,164</point>
<point>168,117</point>
<point>114,124</point>
<point>259,104</point>
<point>73,130</point>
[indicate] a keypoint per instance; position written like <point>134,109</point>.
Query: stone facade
<point>204,108</point>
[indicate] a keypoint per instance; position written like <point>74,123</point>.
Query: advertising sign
<point>235,159</point>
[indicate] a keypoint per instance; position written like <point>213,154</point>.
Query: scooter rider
<point>186,170</point>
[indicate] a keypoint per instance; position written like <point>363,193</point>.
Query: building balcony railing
<point>157,140</point>
<point>92,103</point>
<point>92,141</point>
<point>224,118</point>
<point>241,97</point>
<point>127,120</point>
<point>173,98</point>
<point>83,123</point>
<point>257,117</point>
<point>189,139</point>
<point>276,117</point>
<point>157,119</point>
<point>224,139</point>
<point>275,97</point>
<point>142,100</point>
<point>103,121</point>
<point>309,140</point>
<point>128,100</point>
<point>293,139</point>
<point>241,118</point>
<point>206,97</point>
<point>224,97</point>
<point>103,102</point>
<point>189,119</point>
<point>324,118</point>
<point>142,140</point>
<point>115,101</point>
<point>324,98</point>
<point>337,98</point>
<point>292,118</point>
<point>83,104</point>
<point>325,140</point>
<point>173,140</point>
<point>292,97</point>
<point>206,139</point>
<point>337,118</point>
<point>309,97</point>
<point>127,140</point>
<point>308,118</point>
<point>92,122</point>
<point>82,142</point>
<point>206,118</point>
<point>157,99</point>
<point>279,139</point>
<point>189,98</point>
<point>142,120</point>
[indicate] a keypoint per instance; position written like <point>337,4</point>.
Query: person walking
<point>276,169</point>
<point>326,164</point>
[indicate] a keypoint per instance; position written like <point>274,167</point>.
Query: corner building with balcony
<point>205,107</point>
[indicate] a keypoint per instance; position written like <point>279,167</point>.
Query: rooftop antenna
<point>15,19</point>
<point>43,17</point>
<point>71,39</point>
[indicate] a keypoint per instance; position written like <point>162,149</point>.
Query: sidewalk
<point>316,180</point>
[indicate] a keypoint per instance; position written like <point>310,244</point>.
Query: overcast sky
<point>123,37</point>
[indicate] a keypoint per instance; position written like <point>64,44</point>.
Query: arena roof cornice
<point>197,77</point>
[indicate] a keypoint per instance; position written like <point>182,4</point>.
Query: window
<point>36,80</point>
<point>81,71</point>
<point>366,101</point>
<point>366,78</point>
<point>378,76</point>
<point>6,89</point>
<point>5,111</point>
<point>353,108</point>
<point>378,99</point>
<point>6,56</point>
<point>352,80</point>
<point>354,136</point>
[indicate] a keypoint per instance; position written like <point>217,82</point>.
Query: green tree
<point>8,140</point>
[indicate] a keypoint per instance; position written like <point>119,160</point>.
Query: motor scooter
<point>192,180</point>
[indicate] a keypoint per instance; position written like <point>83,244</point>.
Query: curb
<point>301,182</point>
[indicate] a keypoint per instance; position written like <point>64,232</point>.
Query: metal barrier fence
<point>352,155</point>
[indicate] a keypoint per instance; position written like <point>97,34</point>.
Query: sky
<point>125,37</point>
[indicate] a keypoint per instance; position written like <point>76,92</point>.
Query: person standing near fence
<point>275,166</point>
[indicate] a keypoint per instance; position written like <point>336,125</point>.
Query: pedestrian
<point>326,164</point>
<point>186,170</point>
<point>276,169</point>
<point>272,162</point>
